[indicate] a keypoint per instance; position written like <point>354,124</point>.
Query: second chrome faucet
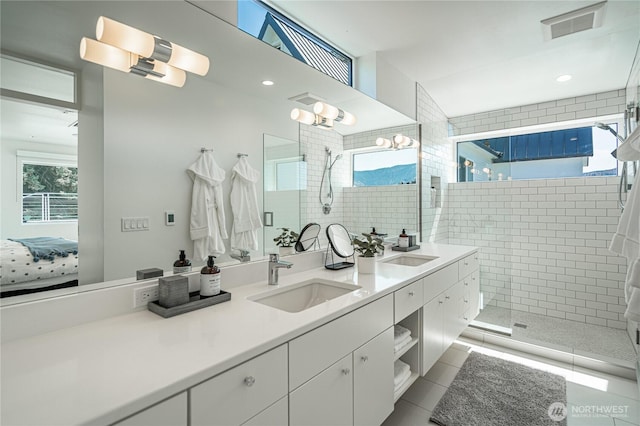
<point>274,265</point>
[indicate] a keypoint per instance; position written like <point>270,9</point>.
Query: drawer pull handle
<point>440,302</point>
<point>364,358</point>
<point>411,293</point>
<point>249,381</point>
<point>346,371</point>
<point>466,283</point>
<point>466,301</point>
<point>447,297</point>
<point>473,278</point>
<point>466,319</point>
<point>466,263</point>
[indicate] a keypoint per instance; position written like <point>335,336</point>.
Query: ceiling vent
<point>578,20</point>
<point>307,98</point>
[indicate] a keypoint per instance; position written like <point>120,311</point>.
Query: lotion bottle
<point>210,279</point>
<point>182,264</point>
<point>403,239</point>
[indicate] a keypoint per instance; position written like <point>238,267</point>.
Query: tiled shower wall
<point>437,157</point>
<point>312,144</point>
<point>595,105</point>
<point>544,245</point>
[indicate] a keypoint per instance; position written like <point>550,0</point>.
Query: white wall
<point>12,226</point>
<point>153,133</point>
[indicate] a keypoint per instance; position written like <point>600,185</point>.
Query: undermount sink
<point>304,295</point>
<point>410,260</point>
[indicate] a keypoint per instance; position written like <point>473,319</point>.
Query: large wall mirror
<point>133,138</point>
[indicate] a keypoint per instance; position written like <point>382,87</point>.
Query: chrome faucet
<point>274,264</point>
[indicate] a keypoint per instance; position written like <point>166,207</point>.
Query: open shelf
<point>405,348</point>
<point>406,385</point>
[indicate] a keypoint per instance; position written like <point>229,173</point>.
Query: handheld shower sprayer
<point>603,126</point>
<point>607,127</point>
<point>326,206</point>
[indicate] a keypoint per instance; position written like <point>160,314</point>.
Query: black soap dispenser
<point>210,279</point>
<point>182,264</point>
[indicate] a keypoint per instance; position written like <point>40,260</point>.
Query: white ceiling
<point>476,56</point>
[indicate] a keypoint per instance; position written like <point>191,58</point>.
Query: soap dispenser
<point>210,279</point>
<point>182,264</point>
<point>403,239</point>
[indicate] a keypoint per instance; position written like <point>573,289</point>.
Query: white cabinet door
<point>326,399</point>
<point>236,395</point>
<point>432,332</point>
<point>373,380</point>
<point>275,415</point>
<point>172,412</point>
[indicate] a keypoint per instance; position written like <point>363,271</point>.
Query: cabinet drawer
<point>311,353</point>
<point>407,300</point>
<point>235,396</point>
<point>172,412</point>
<point>439,281</point>
<point>467,265</point>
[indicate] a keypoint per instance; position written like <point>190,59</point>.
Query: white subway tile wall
<point>312,143</point>
<point>598,104</point>
<point>437,154</point>
<point>544,245</point>
<point>387,208</point>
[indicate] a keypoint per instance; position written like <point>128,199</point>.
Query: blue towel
<point>48,247</point>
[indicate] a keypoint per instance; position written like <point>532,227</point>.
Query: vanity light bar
<point>128,49</point>
<point>323,116</point>
<point>399,141</point>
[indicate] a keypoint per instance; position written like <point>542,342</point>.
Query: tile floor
<point>587,390</point>
<point>565,335</point>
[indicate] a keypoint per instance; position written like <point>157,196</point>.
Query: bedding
<point>19,270</point>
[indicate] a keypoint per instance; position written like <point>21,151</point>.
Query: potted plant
<point>285,241</point>
<point>368,248</point>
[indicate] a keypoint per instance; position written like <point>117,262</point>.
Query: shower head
<point>607,127</point>
<point>339,156</point>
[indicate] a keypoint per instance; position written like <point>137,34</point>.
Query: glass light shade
<point>125,37</point>
<point>172,76</point>
<point>348,119</point>
<point>188,60</point>
<point>402,141</point>
<point>384,143</point>
<point>105,55</point>
<point>303,116</point>
<point>326,110</point>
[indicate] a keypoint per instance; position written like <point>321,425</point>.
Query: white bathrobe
<point>244,204</point>
<point>207,226</point>
<point>626,240</point>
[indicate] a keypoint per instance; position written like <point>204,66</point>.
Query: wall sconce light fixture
<point>397,142</point>
<point>323,116</point>
<point>128,49</point>
<point>468,163</point>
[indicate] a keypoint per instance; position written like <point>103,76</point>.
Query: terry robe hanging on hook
<point>244,204</point>
<point>207,225</point>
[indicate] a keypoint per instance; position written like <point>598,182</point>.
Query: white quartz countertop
<point>103,371</point>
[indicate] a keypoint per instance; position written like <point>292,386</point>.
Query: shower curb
<point>620,368</point>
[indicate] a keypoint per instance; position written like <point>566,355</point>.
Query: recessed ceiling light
<point>563,78</point>
<point>267,83</point>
